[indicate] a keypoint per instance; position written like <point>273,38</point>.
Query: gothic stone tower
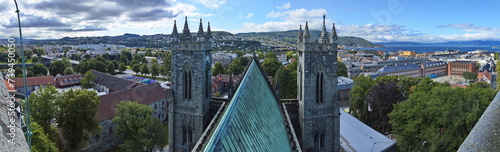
<point>191,90</point>
<point>317,86</point>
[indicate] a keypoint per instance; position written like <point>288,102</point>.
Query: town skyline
<point>386,21</point>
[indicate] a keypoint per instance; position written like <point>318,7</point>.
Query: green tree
<point>39,51</point>
<point>218,69</point>
<point>127,54</point>
<point>270,66</point>
<point>144,133</point>
<point>155,69</point>
<point>359,91</point>
<point>110,68</point>
<point>36,60</point>
<point>43,108</point>
<point>235,67</point>
<point>122,67</point>
<point>57,67</point>
<point>77,119</point>
<point>290,54</point>
<point>166,66</point>
<point>68,71</point>
<point>217,94</point>
<point>40,141</point>
<point>40,70</point>
<point>287,83</point>
<point>144,69</point>
<point>123,59</point>
<point>243,61</point>
<point>66,62</point>
<point>469,75</point>
<point>101,58</point>
<point>136,68</point>
<point>497,69</point>
<point>341,69</point>
<point>87,80</point>
<point>438,119</point>
<point>380,100</point>
<point>271,55</point>
<point>100,66</point>
<point>239,53</point>
<point>86,66</point>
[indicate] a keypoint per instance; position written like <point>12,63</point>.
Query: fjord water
<point>433,48</point>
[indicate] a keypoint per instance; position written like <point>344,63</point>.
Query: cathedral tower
<point>191,87</point>
<point>317,87</point>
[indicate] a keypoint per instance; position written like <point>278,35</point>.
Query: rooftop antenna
<point>27,132</point>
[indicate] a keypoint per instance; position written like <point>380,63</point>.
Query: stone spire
<point>200,29</point>
<point>323,30</point>
<point>175,34</point>
<point>333,36</point>
<point>208,35</point>
<point>306,35</point>
<point>185,32</point>
<point>299,37</point>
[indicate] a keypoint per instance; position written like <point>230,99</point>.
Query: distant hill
<point>476,42</point>
<point>162,40</point>
<point>290,36</point>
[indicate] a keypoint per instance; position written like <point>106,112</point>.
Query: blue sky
<point>377,21</point>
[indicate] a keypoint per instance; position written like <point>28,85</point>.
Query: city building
<point>221,82</point>
<point>411,70</point>
<point>109,84</point>
<point>344,86</point>
<point>459,67</point>
<point>435,69</point>
<point>356,68</point>
<point>431,69</point>
<point>151,94</point>
<point>68,80</point>
<point>33,83</point>
<point>407,53</point>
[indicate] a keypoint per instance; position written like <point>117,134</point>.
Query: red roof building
<point>33,83</point>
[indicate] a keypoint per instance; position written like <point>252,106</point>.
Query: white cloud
<point>212,4</point>
<point>57,19</point>
<point>469,27</point>
<point>399,33</point>
<point>285,6</point>
<point>298,14</point>
<point>249,15</point>
<point>288,20</point>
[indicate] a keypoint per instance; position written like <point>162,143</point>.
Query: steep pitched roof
<point>145,95</point>
<point>357,136</point>
<point>390,69</point>
<point>34,81</point>
<point>68,80</point>
<point>114,83</point>
<point>252,120</point>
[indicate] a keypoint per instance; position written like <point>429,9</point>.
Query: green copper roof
<point>252,120</point>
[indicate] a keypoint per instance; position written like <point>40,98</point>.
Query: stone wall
<point>11,138</point>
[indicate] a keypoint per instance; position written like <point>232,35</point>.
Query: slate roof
<point>69,80</point>
<point>34,81</point>
<point>145,94</point>
<point>433,64</point>
<point>114,83</point>
<point>355,135</point>
<point>391,69</point>
<point>252,120</point>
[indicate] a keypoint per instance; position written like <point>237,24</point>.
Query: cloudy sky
<point>377,21</point>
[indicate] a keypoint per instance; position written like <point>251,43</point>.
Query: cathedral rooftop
<point>252,121</point>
